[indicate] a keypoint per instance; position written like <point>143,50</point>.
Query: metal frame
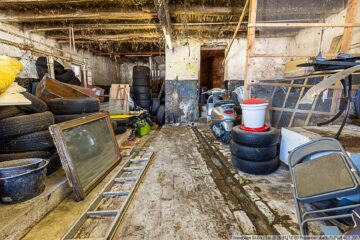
<point>297,156</point>
<point>65,157</point>
<point>118,213</point>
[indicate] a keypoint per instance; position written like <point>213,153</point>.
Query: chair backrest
<point>321,145</point>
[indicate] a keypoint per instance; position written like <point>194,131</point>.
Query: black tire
<point>74,81</point>
<point>68,117</point>
<point>255,139</point>
<point>60,106</point>
<point>54,164</point>
<point>23,155</point>
<point>21,125</point>
<point>9,111</point>
<point>37,105</point>
<point>154,106</point>
<point>143,103</point>
<point>141,71</point>
<point>257,154</point>
<point>142,96</point>
<point>66,76</point>
<point>42,62</point>
<point>121,122</point>
<point>258,168</point>
<point>141,82</point>
<point>357,103</point>
<point>120,129</point>
<point>160,116</point>
<point>141,90</point>
<point>36,141</point>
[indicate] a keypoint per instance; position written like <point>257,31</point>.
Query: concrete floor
<point>185,195</point>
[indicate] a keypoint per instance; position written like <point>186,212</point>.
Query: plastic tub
<point>254,112</point>
<point>22,179</point>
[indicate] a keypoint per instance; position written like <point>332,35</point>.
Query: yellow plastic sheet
<point>9,69</point>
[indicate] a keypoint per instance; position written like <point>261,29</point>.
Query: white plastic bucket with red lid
<point>254,112</point>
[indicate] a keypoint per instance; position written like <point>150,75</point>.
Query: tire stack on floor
<point>24,133</point>
<point>141,86</point>
<point>61,74</point>
<point>254,152</point>
<point>157,109</point>
<point>66,109</point>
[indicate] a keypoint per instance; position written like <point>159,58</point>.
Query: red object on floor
<point>262,129</point>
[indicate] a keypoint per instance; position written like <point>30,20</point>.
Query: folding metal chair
<point>321,170</point>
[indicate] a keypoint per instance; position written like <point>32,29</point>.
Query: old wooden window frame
<point>57,132</point>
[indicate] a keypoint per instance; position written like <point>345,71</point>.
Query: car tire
<point>257,154</point>
<point>42,62</point>
<point>66,76</point>
<point>14,156</point>
<point>68,117</point>
<point>141,82</point>
<point>120,129</point>
<point>143,103</point>
<point>61,106</point>
<point>255,139</point>
<point>141,90</point>
<point>74,81</point>
<point>258,168</point>
<point>54,164</point>
<point>154,106</point>
<point>160,116</point>
<point>25,124</point>
<point>36,141</point>
<point>142,96</point>
<point>9,111</point>
<point>121,122</point>
<point>37,105</point>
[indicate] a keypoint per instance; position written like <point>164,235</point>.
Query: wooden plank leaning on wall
<point>250,47</point>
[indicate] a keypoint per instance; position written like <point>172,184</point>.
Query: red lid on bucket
<point>254,100</point>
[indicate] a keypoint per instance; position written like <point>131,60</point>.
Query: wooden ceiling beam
<point>163,12</point>
<point>118,14</point>
<point>115,14</point>
<point>113,37</point>
<point>116,26</point>
<point>32,2</point>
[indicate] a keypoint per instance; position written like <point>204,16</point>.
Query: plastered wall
<point>104,70</point>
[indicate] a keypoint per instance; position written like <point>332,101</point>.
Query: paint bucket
<point>254,112</point>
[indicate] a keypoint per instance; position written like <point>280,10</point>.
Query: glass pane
<point>91,149</point>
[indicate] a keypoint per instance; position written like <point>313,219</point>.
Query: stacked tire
<point>120,125</point>
<point>66,109</point>
<point>61,74</point>
<point>254,152</point>
<point>141,86</point>
<point>24,133</point>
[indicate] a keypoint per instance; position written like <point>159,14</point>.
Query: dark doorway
<point>211,69</point>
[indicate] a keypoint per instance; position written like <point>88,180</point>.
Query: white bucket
<point>253,115</point>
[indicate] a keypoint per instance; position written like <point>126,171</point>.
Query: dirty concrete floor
<point>182,197</point>
<point>189,192</point>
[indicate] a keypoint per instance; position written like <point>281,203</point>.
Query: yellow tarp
<point>9,69</point>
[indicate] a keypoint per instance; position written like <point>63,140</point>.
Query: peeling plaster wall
<point>104,70</point>
<point>183,62</point>
<point>182,69</point>
<point>235,61</point>
<point>27,58</point>
<point>308,40</point>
